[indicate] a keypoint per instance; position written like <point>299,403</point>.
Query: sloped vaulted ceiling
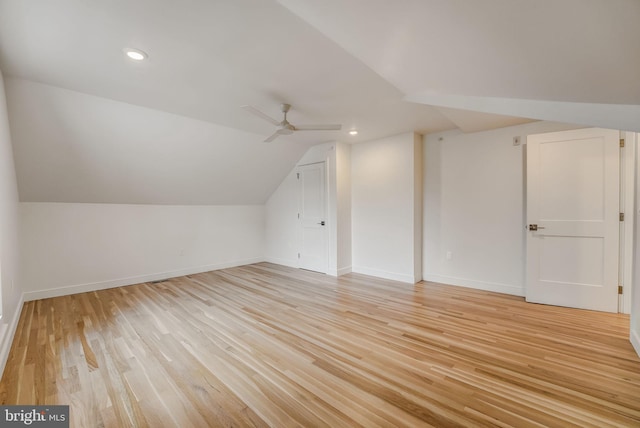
<point>89,125</point>
<point>569,60</point>
<point>79,136</point>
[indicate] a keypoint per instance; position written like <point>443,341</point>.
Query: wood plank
<point>267,345</point>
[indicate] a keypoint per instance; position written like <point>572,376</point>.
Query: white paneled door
<point>313,208</point>
<point>573,180</point>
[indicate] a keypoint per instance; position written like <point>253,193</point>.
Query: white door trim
<point>324,266</point>
<point>627,228</point>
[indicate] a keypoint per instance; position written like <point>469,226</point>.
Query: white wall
<point>383,207</point>
<point>10,284</point>
<point>635,289</point>
<point>74,147</point>
<point>282,232</point>
<point>281,213</point>
<point>343,191</point>
<point>282,228</point>
<point>418,197</point>
<point>70,248</point>
<point>474,207</point>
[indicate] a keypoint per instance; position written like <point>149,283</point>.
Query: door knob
<point>321,223</point>
<point>535,227</point>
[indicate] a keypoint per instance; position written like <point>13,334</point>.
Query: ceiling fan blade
<point>318,127</point>
<point>255,111</point>
<point>273,136</point>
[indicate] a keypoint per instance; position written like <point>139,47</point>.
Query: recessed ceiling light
<point>135,54</point>
<point>354,132</point>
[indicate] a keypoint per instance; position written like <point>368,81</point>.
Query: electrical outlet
<point>516,141</point>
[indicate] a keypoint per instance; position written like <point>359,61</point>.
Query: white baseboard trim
<point>471,283</point>
<point>635,341</point>
<point>284,262</point>
<point>344,271</point>
<point>93,286</point>
<point>339,272</point>
<point>6,338</point>
<point>384,274</point>
<point>293,263</point>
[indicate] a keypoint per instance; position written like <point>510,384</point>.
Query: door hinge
<point>621,142</point>
<point>298,175</point>
<point>298,255</point>
<point>298,216</point>
<point>619,289</point>
<point>621,216</point>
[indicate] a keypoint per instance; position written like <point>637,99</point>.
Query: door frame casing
<point>628,169</point>
<point>626,229</point>
<point>326,211</point>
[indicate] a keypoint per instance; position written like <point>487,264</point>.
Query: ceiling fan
<point>284,127</point>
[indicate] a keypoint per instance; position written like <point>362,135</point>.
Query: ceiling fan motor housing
<point>284,127</point>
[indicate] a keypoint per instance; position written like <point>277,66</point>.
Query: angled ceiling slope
<point>205,61</point>
<point>74,147</point>
<point>348,61</point>
<point>498,56</point>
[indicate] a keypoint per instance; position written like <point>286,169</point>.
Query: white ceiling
<point>478,55</point>
<point>336,61</point>
<point>206,59</point>
<point>567,50</point>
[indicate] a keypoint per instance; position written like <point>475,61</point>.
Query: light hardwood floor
<point>265,345</point>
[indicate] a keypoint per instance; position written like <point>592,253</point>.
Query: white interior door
<point>313,249</point>
<point>573,183</point>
